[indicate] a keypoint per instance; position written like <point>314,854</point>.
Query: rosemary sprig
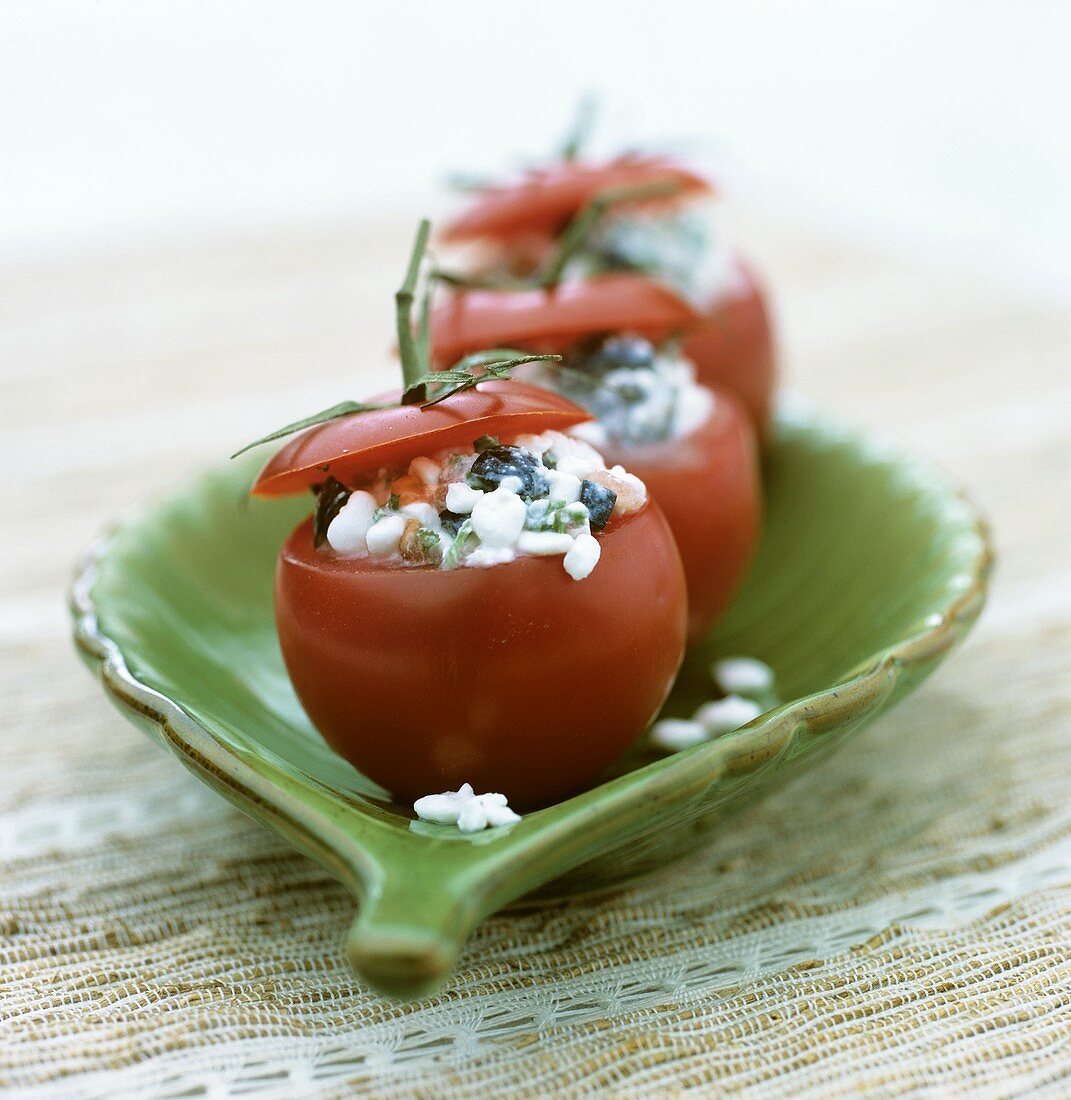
<point>415,351</point>
<point>488,281</point>
<point>473,369</point>
<point>573,240</point>
<point>413,366</point>
<point>343,408</point>
<point>580,130</point>
<point>467,183</point>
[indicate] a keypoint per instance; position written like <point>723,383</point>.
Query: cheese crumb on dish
<point>677,734</point>
<point>541,496</point>
<point>742,676</point>
<point>728,714</point>
<point>469,811</point>
<point>748,677</point>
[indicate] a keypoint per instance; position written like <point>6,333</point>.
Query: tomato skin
<point>708,486</point>
<point>545,200</point>
<point>733,348</point>
<point>514,678</point>
<point>347,446</point>
<point>553,320</point>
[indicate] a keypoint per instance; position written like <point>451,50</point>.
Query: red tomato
<point>733,349</point>
<point>545,200</point>
<point>553,320</point>
<point>708,486</point>
<point>514,678</point>
<point>384,437</point>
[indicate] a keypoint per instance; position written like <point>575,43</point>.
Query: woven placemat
<point>899,920</point>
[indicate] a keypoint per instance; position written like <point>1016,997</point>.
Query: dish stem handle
<point>407,935</point>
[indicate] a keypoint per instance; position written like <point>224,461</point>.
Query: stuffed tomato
<point>693,446</point>
<point>517,227</point>
<point>472,606</point>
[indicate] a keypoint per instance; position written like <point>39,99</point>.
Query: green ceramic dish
<point>871,568</point>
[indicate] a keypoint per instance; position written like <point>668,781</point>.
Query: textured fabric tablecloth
<point>899,919</point>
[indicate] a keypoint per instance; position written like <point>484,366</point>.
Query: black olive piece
<point>331,495</point>
<point>626,352</point>
<point>451,521</point>
<point>492,465</point>
<point>599,502</point>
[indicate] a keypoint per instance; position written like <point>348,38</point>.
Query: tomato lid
<point>543,200</point>
<point>553,319</point>
<point>350,445</point>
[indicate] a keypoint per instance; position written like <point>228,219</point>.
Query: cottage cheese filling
<point>540,496</point>
<point>681,247</point>
<point>638,394</point>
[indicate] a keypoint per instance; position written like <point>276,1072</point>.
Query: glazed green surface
<point>871,566</point>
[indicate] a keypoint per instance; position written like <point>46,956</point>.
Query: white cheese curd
<point>711,720</point>
<point>564,488</point>
<point>424,513</point>
<point>498,517</point>
<point>443,809</point>
<point>385,535</point>
<point>425,470</point>
<point>582,557</point>
<point>590,431</point>
<point>469,811</point>
<point>677,734</point>
<point>742,676</point>
<point>566,453</point>
<point>695,403</point>
<point>346,532</point>
<point>578,466</point>
<point>544,543</point>
<point>461,498</point>
<point>484,556</point>
<point>725,715</point>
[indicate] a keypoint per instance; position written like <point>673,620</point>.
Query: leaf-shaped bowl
<point>871,567</point>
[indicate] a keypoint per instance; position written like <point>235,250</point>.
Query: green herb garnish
<point>414,349</point>
<point>457,547</point>
<point>574,239</point>
<point>485,442</point>
<point>391,505</point>
<point>343,408</point>
<point>577,232</point>
<point>409,346</point>
<point>580,131</point>
<point>476,368</point>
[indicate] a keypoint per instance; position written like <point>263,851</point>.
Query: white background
<point>934,125</point>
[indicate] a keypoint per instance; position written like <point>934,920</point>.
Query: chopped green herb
<point>430,545</point>
<point>484,443</point>
<point>454,552</point>
<point>569,518</point>
<point>386,509</point>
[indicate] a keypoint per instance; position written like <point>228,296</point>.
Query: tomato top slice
<point>543,201</point>
<point>350,445</point>
<point>552,320</point>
